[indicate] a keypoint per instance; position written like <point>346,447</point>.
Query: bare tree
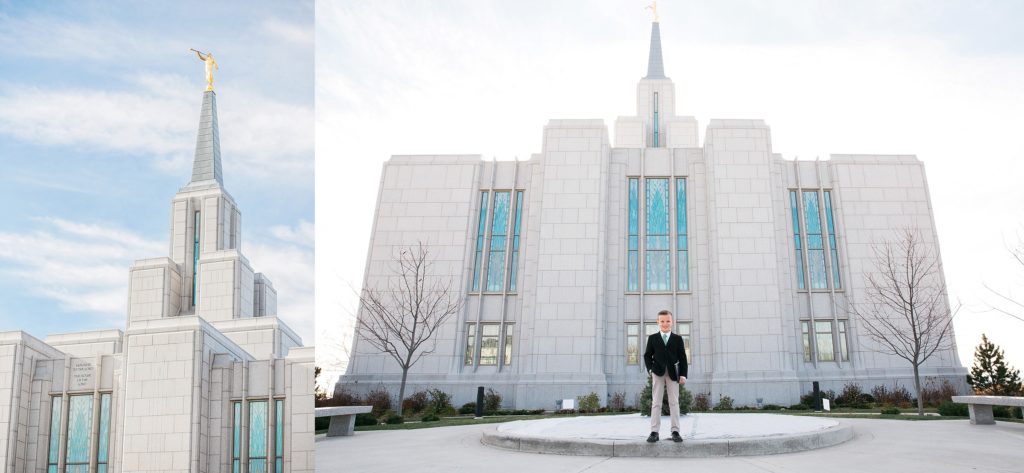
<point>402,318</point>
<point>907,311</point>
<point>1007,304</point>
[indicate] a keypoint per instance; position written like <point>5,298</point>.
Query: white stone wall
<point>154,289</point>
<point>226,285</point>
<point>159,376</point>
<point>681,132</point>
<point>88,344</point>
<point>433,200</point>
<point>299,444</point>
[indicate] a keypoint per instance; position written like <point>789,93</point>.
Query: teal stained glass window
<point>480,241</point>
<point>656,129</point>
<point>795,206</point>
<point>278,435</point>
<point>195,256</point>
<point>236,437</point>
<point>102,452</point>
<point>657,269</point>
<point>79,434</point>
<point>54,456</point>
<point>815,243</point>
<point>258,437</point>
<point>682,254</point>
<point>515,242</point>
<point>836,281</point>
<point>633,240</point>
<point>499,232</point>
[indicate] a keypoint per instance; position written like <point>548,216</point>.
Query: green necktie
<point>664,338</point>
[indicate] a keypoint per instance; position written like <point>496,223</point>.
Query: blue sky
<point>99,106</point>
<point>938,79</point>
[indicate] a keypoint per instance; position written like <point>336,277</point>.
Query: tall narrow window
<point>480,241</point>
<point>844,353</point>
<point>633,241</point>
<point>470,343</point>
<point>236,438</point>
<point>796,241</point>
<point>805,328</point>
<point>195,256</point>
<point>515,242</point>
<point>682,256</point>
<point>823,341</point>
<point>489,344</point>
<point>507,360</point>
<point>683,329</point>
<point>54,456</point>
<point>499,232</point>
<point>656,244</point>
<point>79,434</point>
<point>258,437</point>
<point>279,436</point>
<point>632,343</point>
<point>102,453</point>
<point>815,244</point>
<point>836,281</point>
<point>656,129</point>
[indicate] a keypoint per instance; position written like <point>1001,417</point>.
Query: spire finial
<point>655,66</point>
<point>206,167</point>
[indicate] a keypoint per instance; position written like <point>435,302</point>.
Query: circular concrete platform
<point>704,435</point>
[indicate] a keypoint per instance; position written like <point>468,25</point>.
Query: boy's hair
<point>665,312</point>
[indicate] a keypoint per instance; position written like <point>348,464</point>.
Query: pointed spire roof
<point>655,67</point>
<point>206,166</point>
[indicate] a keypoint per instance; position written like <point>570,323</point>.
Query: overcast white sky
<point>938,79</point>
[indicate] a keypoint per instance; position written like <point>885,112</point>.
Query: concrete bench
<point>980,407</point>
<point>343,418</point>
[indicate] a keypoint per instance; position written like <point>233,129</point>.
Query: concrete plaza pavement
<point>881,445</point>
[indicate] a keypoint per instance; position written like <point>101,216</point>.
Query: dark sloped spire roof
<point>206,166</point>
<point>655,67</point>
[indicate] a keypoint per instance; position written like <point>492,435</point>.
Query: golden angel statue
<point>653,7</point>
<point>211,64</point>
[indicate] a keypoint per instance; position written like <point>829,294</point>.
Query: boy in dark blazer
<point>665,359</point>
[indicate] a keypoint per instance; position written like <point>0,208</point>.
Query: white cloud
<point>300,35</point>
<point>286,257</point>
<point>260,137</point>
<point>82,266</point>
<point>58,38</point>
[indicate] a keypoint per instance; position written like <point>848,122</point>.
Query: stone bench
<point>343,418</point>
<point>980,407</point>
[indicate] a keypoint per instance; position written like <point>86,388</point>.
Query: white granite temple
<point>565,259</point>
<point>205,378</point>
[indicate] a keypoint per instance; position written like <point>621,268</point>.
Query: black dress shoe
<point>653,437</point>
<point>676,437</point>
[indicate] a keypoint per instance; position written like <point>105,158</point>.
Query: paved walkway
<point>938,446</point>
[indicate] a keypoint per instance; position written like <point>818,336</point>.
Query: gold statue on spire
<point>211,64</point>
<point>653,7</point>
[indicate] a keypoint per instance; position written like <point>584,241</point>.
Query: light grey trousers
<point>659,384</point>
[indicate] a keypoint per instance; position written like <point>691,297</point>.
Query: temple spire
<point>206,166</point>
<point>655,66</point>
